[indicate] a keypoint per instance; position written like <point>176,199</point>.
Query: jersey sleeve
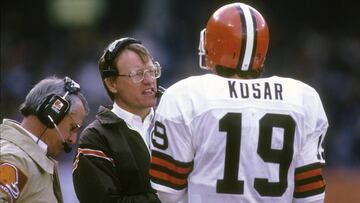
<point>171,148</point>
<point>309,182</point>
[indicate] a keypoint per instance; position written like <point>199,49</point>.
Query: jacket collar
<point>106,116</point>
<point>15,133</point>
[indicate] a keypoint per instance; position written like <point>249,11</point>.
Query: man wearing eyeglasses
<point>113,157</point>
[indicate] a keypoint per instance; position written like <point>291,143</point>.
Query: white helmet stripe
<point>249,39</point>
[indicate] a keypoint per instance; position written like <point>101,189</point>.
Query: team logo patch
<point>12,180</point>
<point>57,105</point>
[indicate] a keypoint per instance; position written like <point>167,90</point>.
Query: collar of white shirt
<point>134,122</point>
<point>40,143</point>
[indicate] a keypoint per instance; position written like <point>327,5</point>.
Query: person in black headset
<point>113,157</point>
<point>53,111</point>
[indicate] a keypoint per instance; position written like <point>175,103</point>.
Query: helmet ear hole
<point>237,37</point>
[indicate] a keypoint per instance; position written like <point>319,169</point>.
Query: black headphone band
<point>71,86</point>
<point>112,50</point>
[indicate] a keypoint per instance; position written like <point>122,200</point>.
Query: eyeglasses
<point>138,75</point>
<point>75,126</point>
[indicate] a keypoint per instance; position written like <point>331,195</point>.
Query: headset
<point>113,49</point>
<point>55,107</point>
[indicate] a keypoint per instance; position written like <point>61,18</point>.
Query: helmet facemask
<point>202,52</point>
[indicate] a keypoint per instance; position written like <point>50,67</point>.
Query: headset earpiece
<point>54,106</point>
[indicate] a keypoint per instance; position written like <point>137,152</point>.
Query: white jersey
<point>234,140</point>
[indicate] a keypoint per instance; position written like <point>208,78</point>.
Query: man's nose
<point>148,77</point>
<point>72,138</point>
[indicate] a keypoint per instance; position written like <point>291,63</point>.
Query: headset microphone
<point>67,148</point>
<point>160,91</point>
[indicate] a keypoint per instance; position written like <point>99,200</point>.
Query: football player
<point>232,136</point>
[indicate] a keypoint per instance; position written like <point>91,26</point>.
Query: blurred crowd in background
<point>317,42</point>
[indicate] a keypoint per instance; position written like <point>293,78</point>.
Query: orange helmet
<point>236,37</point>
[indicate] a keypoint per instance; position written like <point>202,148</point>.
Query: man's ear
<point>110,84</point>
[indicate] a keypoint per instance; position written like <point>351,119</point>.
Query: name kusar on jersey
<point>257,90</point>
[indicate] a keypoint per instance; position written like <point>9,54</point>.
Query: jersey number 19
<point>231,124</point>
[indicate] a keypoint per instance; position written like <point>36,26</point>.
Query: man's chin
<point>150,102</point>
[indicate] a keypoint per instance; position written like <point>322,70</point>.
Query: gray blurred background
<point>317,42</point>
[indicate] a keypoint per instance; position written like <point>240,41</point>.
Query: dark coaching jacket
<point>112,163</point>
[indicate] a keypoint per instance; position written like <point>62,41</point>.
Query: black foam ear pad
<point>54,106</point>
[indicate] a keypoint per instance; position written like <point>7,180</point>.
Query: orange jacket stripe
<point>91,152</point>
